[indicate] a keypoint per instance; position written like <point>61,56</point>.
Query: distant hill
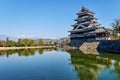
<point>63,39</point>
<point>47,39</point>
<point>4,37</point>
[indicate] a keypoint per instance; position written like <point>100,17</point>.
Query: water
<point>58,65</point>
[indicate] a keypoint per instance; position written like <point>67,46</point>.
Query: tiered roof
<point>86,21</point>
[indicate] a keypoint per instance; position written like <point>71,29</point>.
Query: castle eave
<point>85,12</point>
<point>76,30</point>
<point>99,30</point>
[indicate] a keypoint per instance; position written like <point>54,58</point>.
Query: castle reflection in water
<point>87,66</point>
<point>92,66</point>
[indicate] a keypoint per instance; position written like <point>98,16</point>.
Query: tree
<point>7,40</point>
<point>41,42</point>
<point>32,42</point>
<point>20,43</point>
<point>116,27</point>
<point>26,42</point>
<point>11,43</point>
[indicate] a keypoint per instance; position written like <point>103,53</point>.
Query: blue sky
<point>51,18</point>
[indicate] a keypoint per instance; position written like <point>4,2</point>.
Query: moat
<point>50,64</point>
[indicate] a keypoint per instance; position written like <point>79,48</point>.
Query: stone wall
<point>78,42</point>
<point>89,47</point>
<point>111,46</point>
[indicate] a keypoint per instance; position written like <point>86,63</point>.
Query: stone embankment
<point>89,47</point>
<point>111,46</point>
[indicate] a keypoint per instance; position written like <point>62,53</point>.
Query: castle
<point>86,28</point>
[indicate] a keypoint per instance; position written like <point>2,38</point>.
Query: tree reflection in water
<point>89,66</point>
<point>23,52</point>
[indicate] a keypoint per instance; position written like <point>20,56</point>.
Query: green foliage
<point>20,43</point>
<point>41,42</point>
<point>11,43</point>
<point>32,42</point>
<point>32,51</point>
<point>41,51</point>
<point>26,42</point>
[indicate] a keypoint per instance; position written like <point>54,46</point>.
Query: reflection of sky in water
<point>59,65</point>
<point>113,61</point>
<point>108,74</point>
<point>48,66</point>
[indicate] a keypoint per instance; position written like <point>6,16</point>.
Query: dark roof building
<point>86,27</point>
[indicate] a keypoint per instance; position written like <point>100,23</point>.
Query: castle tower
<point>86,28</point>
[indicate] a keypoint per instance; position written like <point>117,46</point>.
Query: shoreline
<point>30,47</point>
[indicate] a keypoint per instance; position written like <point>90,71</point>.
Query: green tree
<point>32,42</point>
<point>41,42</point>
<point>11,43</point>
<point>26,42</point>
<point>19,43</point>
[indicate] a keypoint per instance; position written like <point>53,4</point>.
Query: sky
<point>51,18</point>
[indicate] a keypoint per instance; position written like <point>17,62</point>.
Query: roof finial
<point>83,7</point>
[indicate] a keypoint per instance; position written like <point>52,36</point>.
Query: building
<point>86,28</point>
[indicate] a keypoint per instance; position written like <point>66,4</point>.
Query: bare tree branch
<point>116,25</point>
